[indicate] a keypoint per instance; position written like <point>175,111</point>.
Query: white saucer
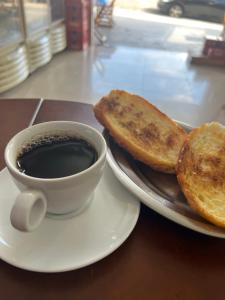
<point>63,245</point>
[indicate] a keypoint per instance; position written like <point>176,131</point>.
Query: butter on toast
<point>201,171</point>
<point>139,127</point>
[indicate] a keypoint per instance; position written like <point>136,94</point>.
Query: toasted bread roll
<point>201,171</point>
<point>139,127</point>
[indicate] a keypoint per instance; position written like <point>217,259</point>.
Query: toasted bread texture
<point>201,171</point>
<point>143,130</point>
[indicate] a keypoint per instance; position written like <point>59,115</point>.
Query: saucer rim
<point>101,255</point>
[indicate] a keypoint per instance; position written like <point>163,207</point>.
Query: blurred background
<point>172,52</point>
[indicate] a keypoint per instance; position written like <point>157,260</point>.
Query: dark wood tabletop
<point>160,259</point>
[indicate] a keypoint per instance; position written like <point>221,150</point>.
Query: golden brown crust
<point>201,172</point>
<point>143,130</point>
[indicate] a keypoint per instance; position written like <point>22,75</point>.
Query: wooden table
<point>160,260</point>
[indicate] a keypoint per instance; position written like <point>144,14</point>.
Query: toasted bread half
<point>143,130</point>
<point>201,171</point>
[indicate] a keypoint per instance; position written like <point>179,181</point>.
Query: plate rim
<point>101,255</point>
<point>152,203</point>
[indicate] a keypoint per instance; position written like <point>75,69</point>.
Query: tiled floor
<point>155,31</point>
<point>191,94</point>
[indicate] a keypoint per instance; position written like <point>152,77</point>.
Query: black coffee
<point>56,156</point>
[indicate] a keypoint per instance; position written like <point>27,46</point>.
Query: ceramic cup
<point>59,197</point>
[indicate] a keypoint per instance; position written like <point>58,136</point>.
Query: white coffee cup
<point>59,197</point>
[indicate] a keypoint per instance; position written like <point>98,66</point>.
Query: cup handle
<point>29,210</point>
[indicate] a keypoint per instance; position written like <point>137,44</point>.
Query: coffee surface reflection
<point>56,156</point>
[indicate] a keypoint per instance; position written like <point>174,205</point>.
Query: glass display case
<point>11,30</point>
<point>31,29</point>
<point>37,16</point>
<point>57,10</point>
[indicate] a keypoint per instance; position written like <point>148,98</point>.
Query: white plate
<point>156,190</point>
<point>63,245</point>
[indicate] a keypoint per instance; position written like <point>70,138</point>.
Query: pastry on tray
<point>144,131</point>
<point>201,171</point>
<point>150,136</point>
